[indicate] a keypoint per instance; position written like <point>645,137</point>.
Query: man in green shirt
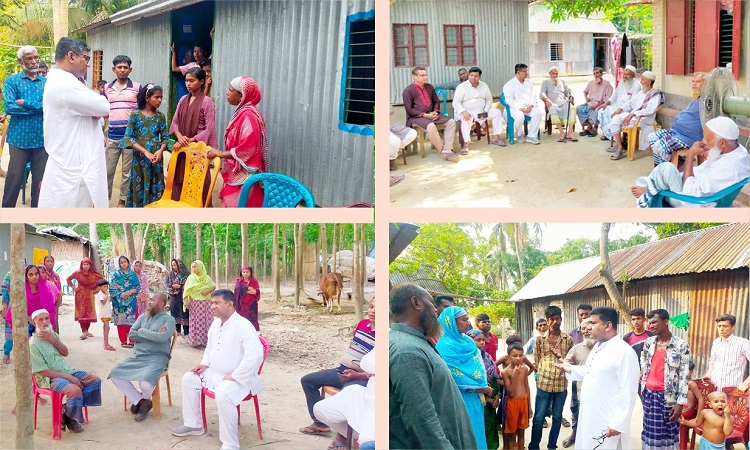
<point>425,405</point>
<point>47,364</point>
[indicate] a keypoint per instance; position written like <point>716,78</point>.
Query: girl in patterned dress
<point>146,134</point>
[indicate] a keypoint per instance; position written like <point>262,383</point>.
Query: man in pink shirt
<point>597,92</point>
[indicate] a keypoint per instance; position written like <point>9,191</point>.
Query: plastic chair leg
<point>56,417</point>
<point>156,400</point>
<point>257,417</point>
<point>203,412</point>
<point>169,391</point>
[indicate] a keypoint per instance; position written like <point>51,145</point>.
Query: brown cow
<point>331,285</point>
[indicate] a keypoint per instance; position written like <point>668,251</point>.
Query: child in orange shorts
<point>104,302</point>
<point>518,404</point>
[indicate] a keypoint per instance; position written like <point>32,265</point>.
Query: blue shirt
<point>26,126</point>
<point>687,126</point>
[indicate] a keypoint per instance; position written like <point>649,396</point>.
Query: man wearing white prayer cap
<point>726,163</point>
<point>644,105</point>
<point>619,101</point>
<point>556,95</point>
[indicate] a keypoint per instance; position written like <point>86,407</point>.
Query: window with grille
<point>555,51</point>
<point>96,68</point>
<point>460,45</point>
<point>358,79</point>
<point>411,45</point>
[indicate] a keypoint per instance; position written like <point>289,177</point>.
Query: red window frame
<point>410,45</point>
<point>460,44</point>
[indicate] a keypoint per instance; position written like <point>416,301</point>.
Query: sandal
<point>83,337</point>
<point>337,444</point>
<point>565,422</point>
<point>449,156</point>
<point>89,334</point>
<point>562,139</point>
<point>616,156</point>
<point>6,359</point>
<point>109,348</point>
<point>313,430</point>
<point>612,149</point>
<point>397,179</point>
<point>464,150</point>
<point>572,138</point>
<point>499,143</point>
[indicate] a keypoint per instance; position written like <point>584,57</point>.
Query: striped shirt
<point>121,104</point>
<point>551,379</point>
<point>730,359</point>
<point>25,130</point>
<point>362,343</point>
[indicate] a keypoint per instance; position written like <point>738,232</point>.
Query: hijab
<point>142,278</point>
<point>241,286</point>
<point>177,277</point>
<point>250,96</point>
<point>87,280</point>
<point>44,298</point>
<point>196,284</point>
<point>123,280</point>
<point>459,352</point>
<point>188,114</point>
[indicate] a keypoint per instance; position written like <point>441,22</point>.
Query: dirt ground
<point>302,341</point>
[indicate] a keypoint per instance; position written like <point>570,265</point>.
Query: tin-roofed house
<point>314,62</point>
<point>704,273</point>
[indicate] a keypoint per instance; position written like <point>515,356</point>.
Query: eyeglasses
<point>602,437</point>
<point>87,58</point>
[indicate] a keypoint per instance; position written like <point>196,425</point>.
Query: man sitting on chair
<point>423,109</point>
<point>401,136</point>
<point>596,94</point>
<point>229,367</point>
<point>619,100</point>
<point>520,95</point>
<point>555,93</point>
<point>643,104</point>
<point>473,102</point>
<point>686,128</point>
<point>727,163</point>
<point>151,333</point>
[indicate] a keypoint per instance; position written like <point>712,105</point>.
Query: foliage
<point>665,230</point>
<point>94,7</point>
<point>563,9</point>
<point>496,311</point>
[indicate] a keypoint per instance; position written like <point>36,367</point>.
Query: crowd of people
<point>447,390</point>
<point>56,125</point>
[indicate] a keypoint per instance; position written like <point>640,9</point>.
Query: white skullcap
<point>724,127</point>
<point>650,75</point>
<point>553,68</point>
<point>630,68</point>
<point>39,312</point>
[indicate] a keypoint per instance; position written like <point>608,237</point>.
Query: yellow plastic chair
<point>196,167</point>
<point>156,396</point>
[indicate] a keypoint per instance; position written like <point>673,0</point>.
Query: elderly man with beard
<point>619,101</point>
<point>23,102</point>
<point>556,95</point>
<point>426,407</point>
<point>727,163</point>
<point>686,128</point>
<point>577,357</point>
<point>644,105</point>
<point>152,333</point>
<point>596,94</point>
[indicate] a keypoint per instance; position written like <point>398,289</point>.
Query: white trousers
<point>397,143</point>
<point>339,411</point>
<point>494,115</point>
<point>229,394</point>
<point>536,120</point>
<point>127,388</point>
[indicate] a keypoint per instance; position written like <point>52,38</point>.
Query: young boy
<point>716,422</point>
<point>518,406</point>
<point>505,361</point>
<point>105,310</point>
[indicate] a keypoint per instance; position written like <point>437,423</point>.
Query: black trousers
<point>19,157</point>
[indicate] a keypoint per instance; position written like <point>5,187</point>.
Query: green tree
<point>665,230</point>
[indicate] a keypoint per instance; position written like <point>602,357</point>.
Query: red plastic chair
<point>737,402</point>
<point>206,392</point>
<point>56,400</point>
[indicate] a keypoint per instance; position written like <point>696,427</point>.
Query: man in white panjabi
<point>619,101</point>
<point>472,102</point>
<point>521,96</point>
<point>229,367</point>
<point>75,175</point>
<point>644,105</point>
<point>354,405</point>
<point>610,386</point>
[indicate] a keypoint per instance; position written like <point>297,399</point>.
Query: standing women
<point>175,282</point>
<point>196,298</point>
<point>463,358</point>
<point>193,121</point>
<point>246,295</point>
<point>44,275</point>
<point>38,296</point>
<point>123,289</point>
<point>86,283</point>
<point>142,296</point>
<point>245,142</point>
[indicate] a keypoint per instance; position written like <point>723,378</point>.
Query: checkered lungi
<point>658,431</point>
<point>200,321</point>
<point>92,394</point>
<point>664,143</point>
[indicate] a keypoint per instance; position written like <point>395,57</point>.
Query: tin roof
<point>725,247</point>
<point>422,279</point>
<point>540,22</point>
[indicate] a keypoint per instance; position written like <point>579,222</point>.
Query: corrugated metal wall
<point>502,38</point>
<point>32,241</point>
<point>577,52</point>
<point>705,296</point>
<point>150,56</point>
<point>294,50</point>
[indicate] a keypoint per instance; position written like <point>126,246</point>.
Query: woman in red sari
<point>87,278</point>
<point>246,296</point>
<point>245,142</point>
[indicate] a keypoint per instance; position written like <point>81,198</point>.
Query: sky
<point>554,235</point>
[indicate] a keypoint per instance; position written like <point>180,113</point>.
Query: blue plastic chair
<point>280,191</point>
<point>724,198</point>
<point>511,122</point>
<point>444,94</point>
<point>26,173</point>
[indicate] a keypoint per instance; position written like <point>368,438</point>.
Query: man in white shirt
<point>521,97</point>
<point>730,356</point>
<point>611,381</point>
<point>727,163</point>
<point>619,101</point>
<point>644,105</point>
<point>229,367</point>
<point>76,174</point>
<point>472,102</point>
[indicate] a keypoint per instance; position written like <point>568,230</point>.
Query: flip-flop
<point>89,334</point>
<point>616,156</point>
<point>337,444</point>
<point>562,139</point>
<point>6,359</point>
<point>573,138</point>
<point>612,149</point>
<point>83,337</point>
<point>312,431</point>
<point>397,179</point>
<point>465,151</point>
<point>109,348</point>
<point>568,443</point>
